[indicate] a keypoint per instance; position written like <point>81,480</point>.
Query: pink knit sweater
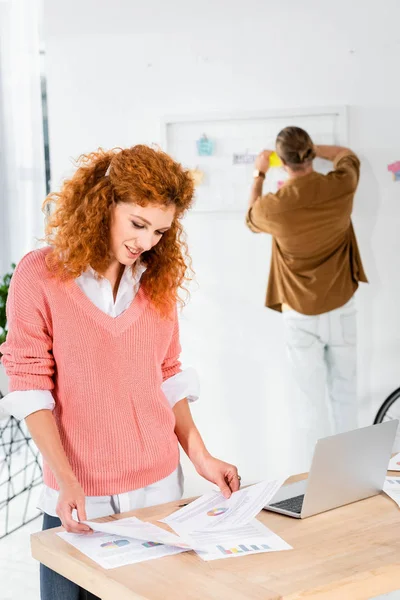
<point>115,423</point>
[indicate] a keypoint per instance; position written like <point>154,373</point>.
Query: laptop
<point>345,468</point>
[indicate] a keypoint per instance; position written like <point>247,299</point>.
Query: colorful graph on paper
<point>242,549</point>
<point>151,544</point>
<point>115,544</point>
<point>215,512</point>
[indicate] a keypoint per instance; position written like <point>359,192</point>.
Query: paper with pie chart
<point>228,528</point>
<point>212,511</point>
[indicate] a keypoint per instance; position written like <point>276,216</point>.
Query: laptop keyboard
<point>292,504</point>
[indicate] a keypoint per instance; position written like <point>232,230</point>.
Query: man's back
<point>315,264</point>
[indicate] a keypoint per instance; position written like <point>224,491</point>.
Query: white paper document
<point>111,551</point>
<point>133,527</point>
<point>253,538</point>
<point>391,487</point>
<point>212,526</point>
<point>126,541</point>
<point>394,464</point>
<point>213,511</point>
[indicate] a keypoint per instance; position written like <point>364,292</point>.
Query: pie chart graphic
<point>215,512</point>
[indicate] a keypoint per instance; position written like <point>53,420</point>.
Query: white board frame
<point>335,111</point>
<point>341,112</point>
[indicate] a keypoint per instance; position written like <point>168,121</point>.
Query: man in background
<point>315,271</point>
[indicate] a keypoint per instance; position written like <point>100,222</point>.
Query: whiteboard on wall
<point>225,180</point>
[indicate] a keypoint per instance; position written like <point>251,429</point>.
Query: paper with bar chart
<point>254,538</point>
<point>227,528</point>
<point>394,464</point>
<point>391,487</point>
<point>213,511</point>
<point>112,551</point>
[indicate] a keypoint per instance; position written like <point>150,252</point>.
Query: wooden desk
<point>351,553</point>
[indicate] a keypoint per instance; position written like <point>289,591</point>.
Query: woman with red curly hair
<point>92,351</point>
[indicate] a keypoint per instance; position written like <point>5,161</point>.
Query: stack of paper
<point>213,526</point>
<point>125,542</point>
<point>227,528</point>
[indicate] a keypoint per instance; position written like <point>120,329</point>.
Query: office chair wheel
<point>390,409</point>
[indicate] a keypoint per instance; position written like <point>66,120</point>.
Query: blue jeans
<point>54,586</point>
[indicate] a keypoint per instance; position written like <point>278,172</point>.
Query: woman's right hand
<point>71,497</point>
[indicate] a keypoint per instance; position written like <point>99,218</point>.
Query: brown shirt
<point>315,262</point>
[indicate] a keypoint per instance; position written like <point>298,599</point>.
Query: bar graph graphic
<point>242,549</point>
<point>114,544</point>
<point>151,544</point>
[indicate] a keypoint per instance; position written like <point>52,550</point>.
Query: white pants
<point>323,359</point>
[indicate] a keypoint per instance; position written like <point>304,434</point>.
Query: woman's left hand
<point>224,475</point>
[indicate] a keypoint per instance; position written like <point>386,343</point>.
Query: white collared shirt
<point>185,384</point>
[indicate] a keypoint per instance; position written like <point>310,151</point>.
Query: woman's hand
<point>224,475</point>
<point>71,497</point>
<point>45,434</point>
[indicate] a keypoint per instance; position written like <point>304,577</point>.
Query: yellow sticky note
<point>274,160</point>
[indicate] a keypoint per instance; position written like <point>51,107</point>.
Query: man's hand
<point>262,161</point>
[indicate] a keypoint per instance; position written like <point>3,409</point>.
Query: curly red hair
<point>78,228</point>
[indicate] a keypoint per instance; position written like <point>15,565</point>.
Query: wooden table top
<point>350,553</point>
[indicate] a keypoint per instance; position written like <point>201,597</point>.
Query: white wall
<point>116,68</point>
